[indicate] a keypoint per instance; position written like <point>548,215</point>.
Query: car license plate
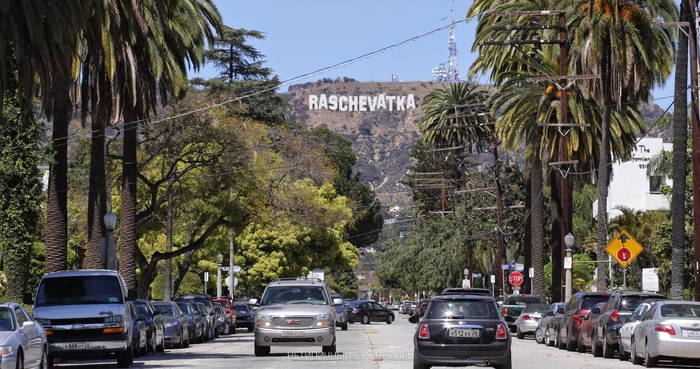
<point>77,346</point>
<point>464,332</point>
<point>693,333</point>
<point>293,334</point>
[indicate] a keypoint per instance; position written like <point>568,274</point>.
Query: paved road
<point>374,346</point>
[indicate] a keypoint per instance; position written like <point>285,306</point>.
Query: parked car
<point>231,313</point>
<point>403,307</point>
<point>551,338</point>
<point>618,309</point>
<point>155,328</point>
<point>367,311</point>
<point>628,328</point>
<point>244,316</point>
<point>669,330</point>
<point>585,330</point>
<point>577,308</point>
<point>195,321</point>
<point>449,335</point>
<point>23,339</point>
<point>139,333</point>
<point>341,314</point>
<point>420,307</point>
<point>175,322</point>
<point>513,305</point>
<point>223,325</point>
<point>208,320</point>
<point>543,324</point>
<point>529,319</point>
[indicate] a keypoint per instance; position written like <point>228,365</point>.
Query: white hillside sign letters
<point>361,102</point>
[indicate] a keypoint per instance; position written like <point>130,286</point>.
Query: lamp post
<point>569,241</point>
<point>219,259</point>
<point>110,220</point>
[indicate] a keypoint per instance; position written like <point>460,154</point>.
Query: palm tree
<point>44,39</point>
<point>617,41</point>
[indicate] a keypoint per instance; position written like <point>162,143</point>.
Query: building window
<point>655,183</point>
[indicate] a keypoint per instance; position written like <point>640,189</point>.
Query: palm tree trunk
<point>57,203</point>
<point>127,227</point>
<point>537,225</point>
<point>680,159</point>
<point>97,194</point>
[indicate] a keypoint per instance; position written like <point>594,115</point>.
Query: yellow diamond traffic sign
<point>624,248</point>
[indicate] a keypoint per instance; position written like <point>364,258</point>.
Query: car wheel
<point>329,350</point>
<point>519,333</point>
<point>144,350</point>
<point>344,326</point>
<point>596,349</point>
<point>181,341</point>
<point>547,341</point>
<point>160,347</point>
<point>250,329</point>
<point>649,361</point>
<point>227,329</point>
<point>50,361</point>
<point>365,319</point>
<point>608,349</point>
<point>580,347</point>
<point>558,342</point>
<point>417,364</point>
<point>636,360</point>
<point>507,365</point>
<point>123,357</point>
<point>20,361</point>
<point>262,350</point>
<point>622,355</point>
<point>389,320</point>
<point>570,345</point>
<point>44,359</point>
<point>233,329</point>
<point>539,337</point>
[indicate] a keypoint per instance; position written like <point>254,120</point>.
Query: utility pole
<point>695,132</point>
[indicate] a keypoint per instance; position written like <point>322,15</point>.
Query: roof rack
<point>310,279</point>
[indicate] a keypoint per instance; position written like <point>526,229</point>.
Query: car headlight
<point>324,320</point>
<point>263,320</point>
<point>222,319</point>
<point>5,350</point>
<point>170,324</point>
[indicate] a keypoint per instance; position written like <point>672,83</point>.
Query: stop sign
<point>515,278</point>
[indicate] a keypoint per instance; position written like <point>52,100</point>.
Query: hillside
<point>381,137</point>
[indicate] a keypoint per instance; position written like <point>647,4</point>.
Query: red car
<point>230,313</point>
<point>585,331</point>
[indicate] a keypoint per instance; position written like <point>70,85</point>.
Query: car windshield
<point>79,290</point>
<point>185,307</point>
<point>535,308</point>
<point>461,309</point>
<point>242,308</point>
<point>522,300</point>
<point>6,321</point>
<point>314,295</point>
<point>165,310</point>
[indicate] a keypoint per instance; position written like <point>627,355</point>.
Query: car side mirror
<point>253,302</point>
<point>549,313</point>
<point>595,311</point>
<point>414,319</point>
<point>560,311</point>
<point>337,301</point>
<point>636,318</point>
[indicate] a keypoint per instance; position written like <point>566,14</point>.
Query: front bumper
<point>86,348</point>
<point>295,337</point>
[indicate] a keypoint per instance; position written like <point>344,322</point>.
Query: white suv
<point>298,312</point>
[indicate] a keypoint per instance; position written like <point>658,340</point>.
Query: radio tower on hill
<point>449,72</point>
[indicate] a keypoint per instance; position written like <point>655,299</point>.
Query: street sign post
<point>624,249</point>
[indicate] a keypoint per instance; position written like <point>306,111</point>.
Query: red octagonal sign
<point>515,278</point>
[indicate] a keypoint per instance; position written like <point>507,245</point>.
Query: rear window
<point>588,302</point>
<point>461,309</point>
<point>680,311</point>
<point>522,300</point>
<point>629,303</point>
<point>79,290</point>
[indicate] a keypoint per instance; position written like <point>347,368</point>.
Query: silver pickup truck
<point>85,314</point>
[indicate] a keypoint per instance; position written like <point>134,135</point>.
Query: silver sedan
<point>529,319</point>
<point>669,330</point>
<point>628,328</point>
<point>22,340</point>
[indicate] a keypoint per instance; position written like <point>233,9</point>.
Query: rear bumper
<point>430,353</point>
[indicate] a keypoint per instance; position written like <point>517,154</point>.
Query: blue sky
<point>304,36</point>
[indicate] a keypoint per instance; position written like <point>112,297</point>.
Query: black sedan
<point>366,311</point>
<point>244,315</point>
<point>461,330</point>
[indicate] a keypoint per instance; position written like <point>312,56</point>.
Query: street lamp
<point>569,241</point>
<point>219,259</point>
<point>110,220</point>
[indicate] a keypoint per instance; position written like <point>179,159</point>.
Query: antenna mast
<point>449,72</point>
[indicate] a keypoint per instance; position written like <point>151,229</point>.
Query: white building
<point>630,187</point>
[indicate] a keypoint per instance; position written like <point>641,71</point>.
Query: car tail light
<point>505,311</point>
<point>579,318</point>
<point>423,331</point>
<point>525,317</point>
<point>614,316</point>
<point>501,332</point>
<point>664,328</point>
